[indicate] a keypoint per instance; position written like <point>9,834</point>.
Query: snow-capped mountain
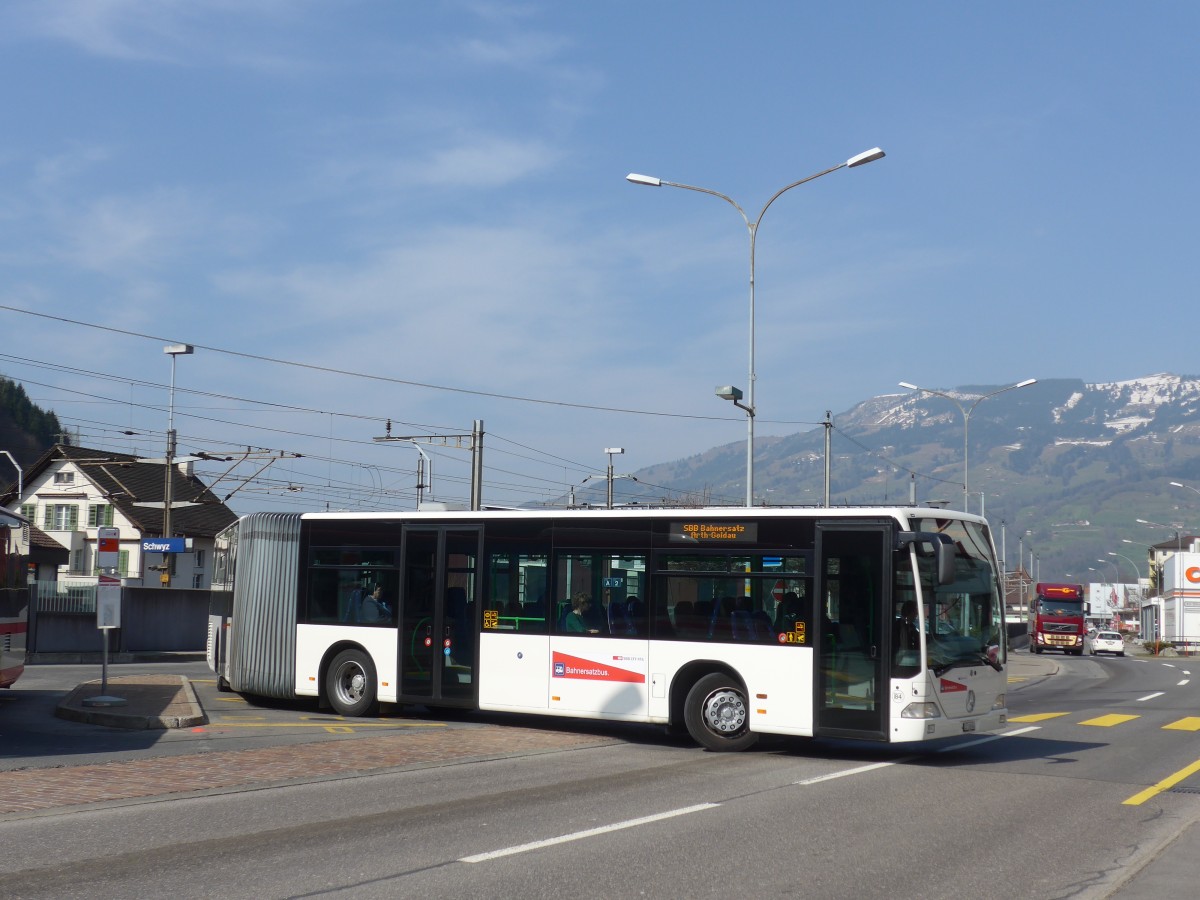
<point>1073,463</point>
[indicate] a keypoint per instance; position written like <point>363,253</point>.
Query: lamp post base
<point>103,700</point>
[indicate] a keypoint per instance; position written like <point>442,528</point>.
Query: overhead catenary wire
<point>531,484</point>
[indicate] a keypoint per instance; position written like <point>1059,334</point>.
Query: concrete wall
<point>152,620</point>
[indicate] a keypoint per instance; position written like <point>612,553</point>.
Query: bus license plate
<point>968,726</point>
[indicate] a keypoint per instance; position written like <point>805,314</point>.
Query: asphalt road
<point>1061,806</point>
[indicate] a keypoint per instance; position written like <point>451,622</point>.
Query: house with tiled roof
<point>72,492</point>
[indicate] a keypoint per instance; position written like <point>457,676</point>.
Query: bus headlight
<point>921,711</point>
<point>999,704</point>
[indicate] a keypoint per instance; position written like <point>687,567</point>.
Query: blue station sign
<point>163,545</point>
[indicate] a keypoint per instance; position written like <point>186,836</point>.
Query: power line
<point>384,378</point>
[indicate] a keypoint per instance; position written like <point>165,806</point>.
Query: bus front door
<point>438,624</point>
<point>854,575</point>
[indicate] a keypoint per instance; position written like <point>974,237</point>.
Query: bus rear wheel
<point>716,714</point>
<point>350,684</point>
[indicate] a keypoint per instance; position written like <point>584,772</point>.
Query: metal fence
<point>65,597</point>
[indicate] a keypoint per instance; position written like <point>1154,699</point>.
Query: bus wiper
<point>988,660</point>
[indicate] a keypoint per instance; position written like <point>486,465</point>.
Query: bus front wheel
<point>350,684</point>
<point>716,715</point>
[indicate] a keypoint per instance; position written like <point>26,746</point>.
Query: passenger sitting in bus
<point>576,621</point>
<point>787,613</point>
<point>374,609</point>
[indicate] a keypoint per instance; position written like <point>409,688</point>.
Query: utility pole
<point>828,428</point>
<point>443,440</point>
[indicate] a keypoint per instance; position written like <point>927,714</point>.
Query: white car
<point>1106,642</point>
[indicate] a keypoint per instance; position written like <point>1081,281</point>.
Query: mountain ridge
<point>1063,466</point>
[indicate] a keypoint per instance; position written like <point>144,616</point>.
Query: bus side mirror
<point>943,551</point>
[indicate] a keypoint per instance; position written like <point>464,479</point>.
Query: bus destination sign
<point>714,532</point>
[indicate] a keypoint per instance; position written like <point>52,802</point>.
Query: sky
<point>369,211</point>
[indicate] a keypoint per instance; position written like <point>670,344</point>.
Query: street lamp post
<point>752,227</point>
<point>1136,570</point>
<point>175,351</point>
<point>1173,527</point>
<point>1150,560</point>
<point>1116,571</point>
<point>966,414</point>
<point>611,451</point>
<point>1186,486</point>
<point>1179,484</point>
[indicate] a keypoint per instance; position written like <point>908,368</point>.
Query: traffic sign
<point>108,547</point>
<point>163,545</point>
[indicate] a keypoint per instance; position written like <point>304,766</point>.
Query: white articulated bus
<point>880,624</point>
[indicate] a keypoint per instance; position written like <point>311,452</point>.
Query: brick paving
<point>30,790</point>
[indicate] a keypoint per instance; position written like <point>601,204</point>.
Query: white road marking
<point>1150,696</point>
<point>1182,683</point>
<point>857,771</point>
<point>990,738</point>
<point>591,832</point>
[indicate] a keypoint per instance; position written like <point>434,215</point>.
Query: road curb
<point>144,709</point>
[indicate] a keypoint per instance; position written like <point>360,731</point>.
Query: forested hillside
<point>26,430</point>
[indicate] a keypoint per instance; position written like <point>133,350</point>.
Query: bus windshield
<point>964,622</point>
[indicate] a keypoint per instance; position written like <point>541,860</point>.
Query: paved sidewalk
<point>31,791</point>
<point>1024,666</point>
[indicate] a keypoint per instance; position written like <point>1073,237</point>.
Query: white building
<point>71,492</point>
<point>1175,616</point>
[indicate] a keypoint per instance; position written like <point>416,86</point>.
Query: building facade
<point>70,493</point>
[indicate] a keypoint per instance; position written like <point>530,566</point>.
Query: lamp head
<point>614,449</point>
<point>177,349</point>
<point>729,392</point>
<point>865,157</point>
<point>648,180</point>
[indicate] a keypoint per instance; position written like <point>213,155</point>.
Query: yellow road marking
<point>1036,717</point>
<point>1110,720</point>
<point>1191,723</point>
<point>231,699</point>
<point>1169,782</point>
<point>1012,679</point>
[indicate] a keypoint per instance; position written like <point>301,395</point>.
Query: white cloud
<point>161,31</point>
<point>119,233</point>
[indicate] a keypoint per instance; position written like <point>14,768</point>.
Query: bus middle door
<point>438,619</point>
